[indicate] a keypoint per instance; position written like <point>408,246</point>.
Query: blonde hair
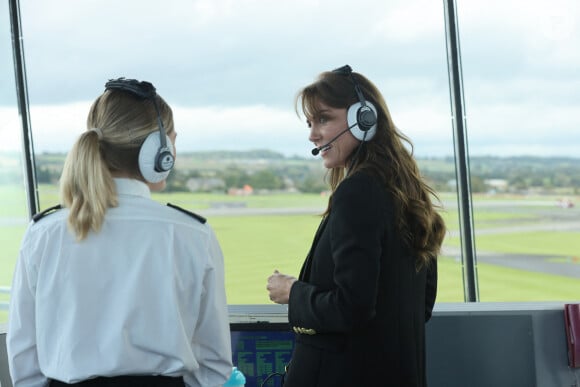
<point>117,125</point>
<point>419,225</point>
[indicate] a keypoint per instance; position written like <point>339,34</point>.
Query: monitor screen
<point>261,349</point>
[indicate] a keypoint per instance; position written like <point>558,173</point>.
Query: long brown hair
<point>388,155</point>
<point>117,125</point>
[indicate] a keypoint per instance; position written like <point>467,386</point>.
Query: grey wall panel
<point>468,344</point>
<point>480,351</point>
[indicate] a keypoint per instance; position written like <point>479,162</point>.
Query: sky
<point>230,69</point>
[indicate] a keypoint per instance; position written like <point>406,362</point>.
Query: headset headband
<point>141,89</point>
<point>347,70</point>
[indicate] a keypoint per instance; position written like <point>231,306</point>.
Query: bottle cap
<point>237,379</point>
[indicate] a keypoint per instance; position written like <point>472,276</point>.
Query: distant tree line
<point>268,171</point>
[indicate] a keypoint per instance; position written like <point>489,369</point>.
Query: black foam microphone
<point>316,151</point>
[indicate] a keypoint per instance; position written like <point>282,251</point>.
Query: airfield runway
<point>548,217</point>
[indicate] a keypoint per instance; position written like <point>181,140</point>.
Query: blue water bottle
<point>237,379</point>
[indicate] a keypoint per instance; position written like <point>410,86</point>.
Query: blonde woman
<point>112,288</point>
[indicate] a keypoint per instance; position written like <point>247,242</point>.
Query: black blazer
<point>360,306</point>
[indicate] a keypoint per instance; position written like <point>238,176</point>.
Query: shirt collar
<point>132,187</point>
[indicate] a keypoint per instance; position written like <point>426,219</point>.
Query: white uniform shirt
<point>145,295</point>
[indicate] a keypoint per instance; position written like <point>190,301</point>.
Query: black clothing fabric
<point>359,298</point>
<point>126,381</point>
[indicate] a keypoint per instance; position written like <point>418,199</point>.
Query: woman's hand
<point>279,286</point>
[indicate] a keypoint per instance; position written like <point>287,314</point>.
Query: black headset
<point>155,156</point>
<point>362,116</point>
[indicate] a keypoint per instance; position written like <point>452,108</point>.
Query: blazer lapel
<point>305,271</point>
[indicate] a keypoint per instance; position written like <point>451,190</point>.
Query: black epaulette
<point>200,218</point>
<point>39,215</point>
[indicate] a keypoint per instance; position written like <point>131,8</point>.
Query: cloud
<point>249,127</point>
<point>428,125</point>
<point>227,52</point>
<point>231,68</point>
<point>394,24</point>
<point>513,126</point>
<point>56,127</point>
<point>539,36</point>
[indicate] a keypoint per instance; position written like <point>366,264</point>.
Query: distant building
<point>499,185</point>
<point>492,185</point>
<point>244,191</point>
<point>205,184</point>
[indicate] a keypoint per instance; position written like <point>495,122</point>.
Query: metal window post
<point>468,256</point>
<point>23,108</point>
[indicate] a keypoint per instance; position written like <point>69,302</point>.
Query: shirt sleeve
<point>21,336</point>
<point>212,334</point>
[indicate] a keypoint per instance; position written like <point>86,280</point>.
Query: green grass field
<point>255,245</point>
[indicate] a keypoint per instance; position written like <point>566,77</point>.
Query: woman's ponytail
<point>87,187</point>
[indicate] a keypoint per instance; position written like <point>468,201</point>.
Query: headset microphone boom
<point>317,150</point>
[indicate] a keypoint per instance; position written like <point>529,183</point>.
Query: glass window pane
<point>13,203</point>
<point>231,70</point>
<point>521,79</point>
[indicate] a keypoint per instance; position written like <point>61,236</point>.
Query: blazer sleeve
<point>356,228</point>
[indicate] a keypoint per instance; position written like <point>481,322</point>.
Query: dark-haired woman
<point>368,284</point>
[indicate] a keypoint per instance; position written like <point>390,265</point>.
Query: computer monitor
<point>260,349</point>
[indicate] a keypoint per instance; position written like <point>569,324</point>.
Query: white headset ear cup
<point>356,131</point>
<point>147,155</point>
